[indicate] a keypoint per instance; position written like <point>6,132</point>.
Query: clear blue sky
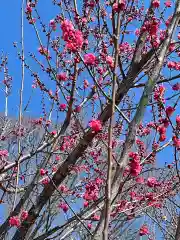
<point>10,18</point>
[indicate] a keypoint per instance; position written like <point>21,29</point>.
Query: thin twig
<point>21,98</point>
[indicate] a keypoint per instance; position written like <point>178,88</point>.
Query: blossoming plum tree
<point>102,159</point>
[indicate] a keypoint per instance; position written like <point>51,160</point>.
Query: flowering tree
<point>101,161</point>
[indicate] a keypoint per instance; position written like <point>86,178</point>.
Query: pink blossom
<point>92,191</point>
<point>54,168</point>
<point>64,207</point>
<point>159,93</point>
<point>86,203</point>
<point>61,76</point>
<point>32,21</point>
<point>151,181</point>
<point>133,195</point>
<point>62,107</point>
<point>84,20</point>
<point>63,188</point>
<point>171,64</point>
<point>86,83</point>
<point>137,32</point>
<point>165,122</point>
<point>58,158</point>
<point>172,47</point>
<point>140,180</point>
<point>161,129</point>
<point>117,7</point>
<point>178,121</point>
<point>45,181</point>
<point>143,230</point>
<point>162,137</point>
<point>176,142</point>
<point>73,38</point>
<point>163,34</point>
<point>67,26</point>
<point>170,110</point>
<point>86,42</point>
<point>89,225</point>
<point>28,8</point>
<point>24,215</point>
<point>44,51</point>
<point>4,153</point>
<point>168,21</point>
<point>135,166</point>
<point>53,133</point>
<point>156,3</point>
<point>52,24</point>
<point>168,3</point>
<point>96,217</point>
<point>90,59</point>
<point>14,221</point>
<point>176,87</point>
<point>43,172</point>
<point>110,61</point>
<point>95,125</point>
<point>77,109</point>
<point>125,48</point>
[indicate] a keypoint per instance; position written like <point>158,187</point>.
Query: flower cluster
<point>61,76</point>
<point>117,7</point>
<point>151,182</point>
<point>92,190</point>
<point>135,167</point>
<point>143,230</point>
<point>4,153</point>
<point>173,65</point>
<point>16,221</point>
<point>169,111</point>
<point>156,3</point>
<point>95,125</point>
<point>90,59</point>
<point>176,142</point>
<point>73,38</point>
<point>64,207</point>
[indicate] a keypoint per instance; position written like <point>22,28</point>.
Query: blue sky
<point>10,18</point>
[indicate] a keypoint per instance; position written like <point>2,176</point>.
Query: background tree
<point>102,159</point>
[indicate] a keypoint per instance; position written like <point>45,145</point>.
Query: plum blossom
<point>52,24</point>
<point>14,221</point>
<point>169,110</point>
<point>176,142</point>
<point>95,125</point>
<point>176,87</point>
<point>156,3</point>
<point>42,172</point>
<point>73,38</point>
<point>24,215</point>
<point>89,59</point>
<point>62,107</point>
<point>168,3</point>
<point>151,181</point>
<point>64,207</point>
<point>61,76</point>
<point>143,230</point>
<point>135,166</point>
